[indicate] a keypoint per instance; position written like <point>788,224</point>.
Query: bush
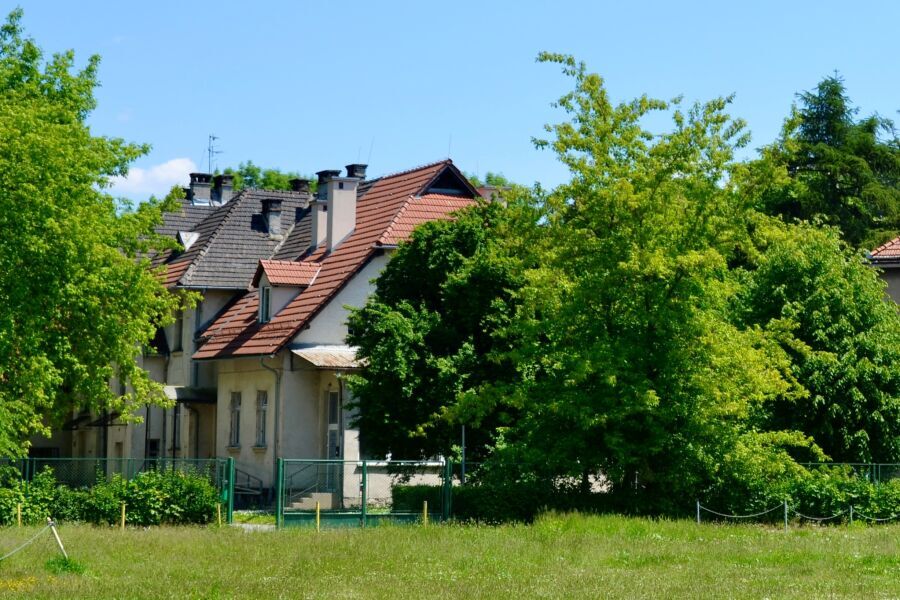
<point>151,498</point>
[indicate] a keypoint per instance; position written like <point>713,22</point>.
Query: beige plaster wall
<point>330,325</point>
<point>246,376</point>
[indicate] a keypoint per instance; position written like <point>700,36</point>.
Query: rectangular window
<point>234,433</point>
<point>178,332</point>
<point>265,304</point>
<point>262,407</point>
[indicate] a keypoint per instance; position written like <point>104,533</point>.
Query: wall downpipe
<point>277,441</point>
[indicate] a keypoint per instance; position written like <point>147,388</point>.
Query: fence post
<point>279,494</point>
<point>447,490</point>
<point>785,516</point>
<point>365,500</point>
<point>425,513</point>
<point>698,512</point>
<point>318,516</point>
<point>230,484</point>
<point>851,514</point>
<point>123,517</point>
<point>52,525</point>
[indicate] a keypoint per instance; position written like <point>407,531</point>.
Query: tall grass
<point>559,556</point>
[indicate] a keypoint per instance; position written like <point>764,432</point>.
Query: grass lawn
<point>558,557</point>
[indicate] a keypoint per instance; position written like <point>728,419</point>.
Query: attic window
<point>265,304</point>
<point>448,183</point>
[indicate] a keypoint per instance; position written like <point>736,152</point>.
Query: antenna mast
<point>211,151</point>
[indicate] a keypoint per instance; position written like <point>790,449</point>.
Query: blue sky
<point>308,86</point>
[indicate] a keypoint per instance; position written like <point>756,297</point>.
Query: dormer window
<point>265,304</point>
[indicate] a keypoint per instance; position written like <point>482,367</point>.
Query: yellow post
<point>123,516</point>
<point>318,516</point>
<point>19,513</point>
<point>425,513</point>
<point>219,513</point>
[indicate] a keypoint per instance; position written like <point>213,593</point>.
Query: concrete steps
<point>326,501</point>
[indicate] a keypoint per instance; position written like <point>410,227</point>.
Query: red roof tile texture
<point>888,252</point>
<point>285,272</point>
<point>387,211</point>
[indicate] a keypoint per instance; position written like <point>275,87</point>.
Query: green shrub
<point>409,498</point>
<point>151,498</point>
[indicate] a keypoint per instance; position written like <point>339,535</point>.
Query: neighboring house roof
<point>387,210</point>
<point>233,237</point>
<point>887,254</point>
<point>283,272</point>
<point>186,218</point>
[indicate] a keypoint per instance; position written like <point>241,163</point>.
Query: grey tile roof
<point>297,241</point>
<point>185,219</point>
<point>233,238</point>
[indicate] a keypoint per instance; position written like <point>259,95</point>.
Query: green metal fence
<point>338,493</point>
<point>83,473</point>
<point>872,472</point>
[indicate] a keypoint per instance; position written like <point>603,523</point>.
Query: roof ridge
<point>237,199</point>
<point>394,219</point>
<point>414,169</point>
<point>276,191</point>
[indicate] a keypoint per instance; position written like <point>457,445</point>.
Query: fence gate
<point>342,493</point>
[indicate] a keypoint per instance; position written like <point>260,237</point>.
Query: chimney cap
<point>224,179</point>
<point>357,170</point>
<point>299,184</point>
<point>201,177</point>
<point>327,174</point>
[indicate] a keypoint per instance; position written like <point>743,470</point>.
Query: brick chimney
<point>200,188</point>
<point>223,189</point>
<point>271,210</point>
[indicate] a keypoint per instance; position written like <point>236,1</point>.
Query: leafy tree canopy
<point>490,179</point>
<point>643,325</point>
<point>249,175</point>
<point>431,335</point>
<point>830,166</point>
<point>77,301</point>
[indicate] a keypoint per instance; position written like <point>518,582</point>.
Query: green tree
<point>77,302</point>
<point>490,179</point>
<point>843,171</point>
<point>826,307</point>
<point>249,175</point>
<point>630,365</point>
<point>430,336</point>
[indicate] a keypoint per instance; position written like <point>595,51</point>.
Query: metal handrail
<point>238,473</point>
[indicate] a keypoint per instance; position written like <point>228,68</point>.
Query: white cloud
<point>157,180</point>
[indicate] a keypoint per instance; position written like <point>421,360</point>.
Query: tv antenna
<point>211,151</point>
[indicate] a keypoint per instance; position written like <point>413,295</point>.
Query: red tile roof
<point>285,272</point>
<point>889,252</point>
<point>387,211</point>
